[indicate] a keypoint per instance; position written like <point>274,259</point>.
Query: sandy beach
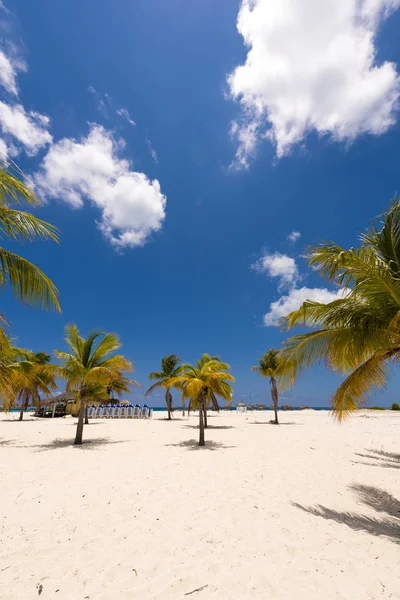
<point>306,510</point>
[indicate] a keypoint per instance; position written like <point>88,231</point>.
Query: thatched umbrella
<point>240,404</point>
<point>125,403</point>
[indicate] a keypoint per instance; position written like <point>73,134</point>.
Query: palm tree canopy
<point>169,368</point>
<point>209,377</point>
<point>360,332</point>
<point>89,360</point>
<point>270,364</point>
<point>28,282</point>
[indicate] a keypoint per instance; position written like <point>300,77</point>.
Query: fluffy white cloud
<point>311,65</point>
<point>294,236</point>
<point>4,151</point>
<point>8,73</point>
<point>280,266</point>
<point>124,113</point>
<point>28,129</point>
<point>131,205</point>
<point>295,298</point>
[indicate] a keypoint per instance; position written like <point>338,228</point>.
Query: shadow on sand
<point>272,423</point>
<point>211,427</point>
<point>87,444</point>
<point>194,445</point>
<point>380,458</point>
<point>373,497</point>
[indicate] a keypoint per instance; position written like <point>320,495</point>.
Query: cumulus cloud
<point>278,265</point>
<point>311,65</point>
<point>124,114</point>
<point>131,206</point>
<point>8,73</point>
<point>295,298</point>
<point>27,129</point>
<point>294,236</point>
<point>284,268</point>
<point>4,151</point>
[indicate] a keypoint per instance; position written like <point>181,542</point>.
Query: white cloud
<point>294,236</point>
<point>124,113</point>
<point>8,74</point>
<point>311,65</point>
<point>153,153</point>
<point>295,298</point>
<point>132,206</point>
<point>280,266</point>
<point>30,129</point>
<point>3,150</point>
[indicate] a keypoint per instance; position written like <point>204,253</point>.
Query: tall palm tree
<point>203,383</point>
<point>89,362</point>
<point>36,377</point>
<point>270,365</point>
<point>359,334</point>
<point>169,368</point>
<point>11,378</point>
<point>28,282</point>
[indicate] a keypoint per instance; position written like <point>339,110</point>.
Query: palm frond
<point>28,282</point>
<point>354,390</point>
<point>20,225</point>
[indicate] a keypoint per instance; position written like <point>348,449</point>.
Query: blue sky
<point>173,157</point>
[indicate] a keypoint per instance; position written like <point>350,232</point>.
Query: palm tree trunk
<point>24,406</point>
<point>205,417</point>
<point>38,407</point>
<point>79,427</point>
<point>274,394</point>
<point>201,425</point>
<point>86,415</point>
<point>168,402</point>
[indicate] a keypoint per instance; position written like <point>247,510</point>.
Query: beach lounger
<point>112,412</point>
<point>144,413</point>
<point>122,412</point>
<point>98,412</point>
<point>91,411</point>
<point>104,412</point>
<point>129,412</point>
<point>136,412</point>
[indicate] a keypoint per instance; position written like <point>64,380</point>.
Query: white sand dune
<point>308,510</point>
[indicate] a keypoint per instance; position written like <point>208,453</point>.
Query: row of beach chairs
<point>117,412</point>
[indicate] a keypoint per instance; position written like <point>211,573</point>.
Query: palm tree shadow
<point>194,445</point>
<point>211,427</point>
<point>272,423</point>
<point>380,458</point>
<point>373,497</point>
<point>87,444</point>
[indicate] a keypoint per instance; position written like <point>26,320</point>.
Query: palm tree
<point>10,376</point>
<point>202,384</point>
<point>358,334</point>
<point>89,362</point>
<point>270,365</point>
<point>35,377</point>
<point>28,282</point>
<point>169,369</point>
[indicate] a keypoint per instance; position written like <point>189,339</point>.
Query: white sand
<point>138,513</point>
